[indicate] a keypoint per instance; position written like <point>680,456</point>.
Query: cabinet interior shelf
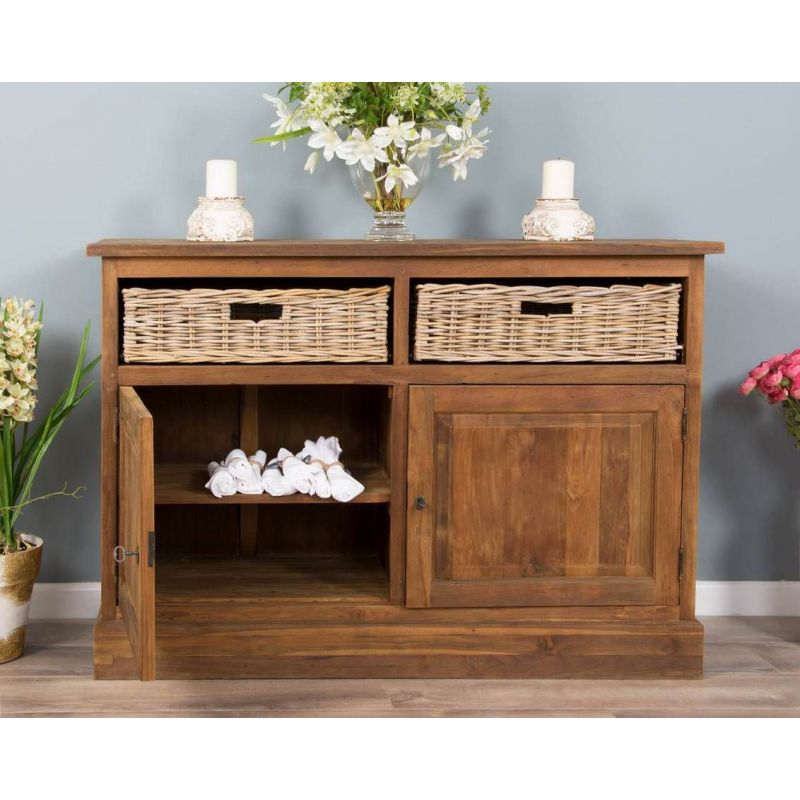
<point>184,484</point>
<point>272,580</point>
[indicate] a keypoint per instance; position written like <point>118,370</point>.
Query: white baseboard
<point>748,598</point>
<point>65,600</point>
<point>714,598</point>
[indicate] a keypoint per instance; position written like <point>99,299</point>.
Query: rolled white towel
<point>252,483</point>
<point>274,481</point>
<point>310,455</point>
<point>238,465</point>
<point>297,473</point>
<point>258,460</point>
<point>221,482</point>
<point>344,487</point>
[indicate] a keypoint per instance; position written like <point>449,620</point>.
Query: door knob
<point>420,503</point>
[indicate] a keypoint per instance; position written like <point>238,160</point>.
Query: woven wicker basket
<point>459,322</point>
<point>278,326</point>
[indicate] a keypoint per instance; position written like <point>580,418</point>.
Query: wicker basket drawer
<point>461,322</point>
<point>261,326</point>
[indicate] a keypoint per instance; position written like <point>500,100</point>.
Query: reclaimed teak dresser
<point>530,460</point>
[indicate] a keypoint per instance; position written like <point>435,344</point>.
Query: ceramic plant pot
<point>18,571</point>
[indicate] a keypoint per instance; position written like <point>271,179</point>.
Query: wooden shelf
<point>388,374</point>
<point>272,580</point>
<point>184,484</point>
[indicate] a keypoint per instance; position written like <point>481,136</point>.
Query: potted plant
<point>778,380</point>
<point>385,133</point>
<point>21,452</point>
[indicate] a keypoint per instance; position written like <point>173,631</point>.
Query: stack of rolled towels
<point>315,470</point>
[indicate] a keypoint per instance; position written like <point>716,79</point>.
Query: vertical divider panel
<point>248,441</point>
<point>398,439</point>
<point>401,308</point>
<point>398,443</point>
<point>693,342</point>
<point>109,330</point>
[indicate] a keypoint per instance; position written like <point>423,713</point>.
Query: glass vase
<point>389,221</point>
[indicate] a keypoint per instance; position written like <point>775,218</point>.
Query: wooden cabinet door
<point>544,495</point>
<point>136,573</point>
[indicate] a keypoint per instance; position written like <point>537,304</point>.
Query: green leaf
<point>282,137</point>
<point>20,466</point>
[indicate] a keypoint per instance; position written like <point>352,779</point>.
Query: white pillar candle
<point>558,180</point>
<point>221,178</point>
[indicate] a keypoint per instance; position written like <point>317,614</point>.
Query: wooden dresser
<point>518,519</point>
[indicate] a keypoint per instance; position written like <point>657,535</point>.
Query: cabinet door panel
<point>544,495</point>
<point>136,573</point>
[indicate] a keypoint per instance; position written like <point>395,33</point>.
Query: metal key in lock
<point>120,554</point>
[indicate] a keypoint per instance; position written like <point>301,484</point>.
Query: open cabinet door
<point>136,571</point>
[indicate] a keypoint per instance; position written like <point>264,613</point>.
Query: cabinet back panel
<point>325,530</point>
<point>288,415</point>
<point>193,424</point>
<point>191,532</point>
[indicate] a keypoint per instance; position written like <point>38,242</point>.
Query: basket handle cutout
<point>530,308</point>
<point>255,312</point>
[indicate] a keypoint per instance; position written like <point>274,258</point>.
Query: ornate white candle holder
<point>560,220</point>
<point>220,219</point>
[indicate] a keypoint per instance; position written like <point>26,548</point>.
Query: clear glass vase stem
<point>389,226</point>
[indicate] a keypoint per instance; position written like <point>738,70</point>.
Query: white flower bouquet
<point>385,132</point>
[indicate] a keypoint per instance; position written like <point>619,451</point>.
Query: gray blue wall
<point>698,161</point>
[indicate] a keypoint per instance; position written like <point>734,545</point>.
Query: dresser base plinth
<point>599,649</point>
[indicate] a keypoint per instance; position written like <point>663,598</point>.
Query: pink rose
<point>795,353</point>
<point>792,371</point>
<point>760,371</point>
<point>772,381</point>
<point>778,396</point>
<point>775,360</point>
<point>761,388</point>
<point>748,386</point>
<point>795,390</point>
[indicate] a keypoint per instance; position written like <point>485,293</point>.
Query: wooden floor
<point>752,669</point>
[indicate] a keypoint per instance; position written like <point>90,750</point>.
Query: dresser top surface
<point>356,248</point>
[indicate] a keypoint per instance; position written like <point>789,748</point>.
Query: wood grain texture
<point>271,581</point>
<point>363,650</point>
<point>381,268</point>
<point>108,438</point>
<point>518,479</point>
<point>409,374</point>
<point>421,485</point>
<point>193,423</point>
<point>398,465</point>
<point>691,456</point>
<point>323,530</point>
<point>357,415</point>
<point>253,612</point>
<point>136,583</point>
<point>357,248</point>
